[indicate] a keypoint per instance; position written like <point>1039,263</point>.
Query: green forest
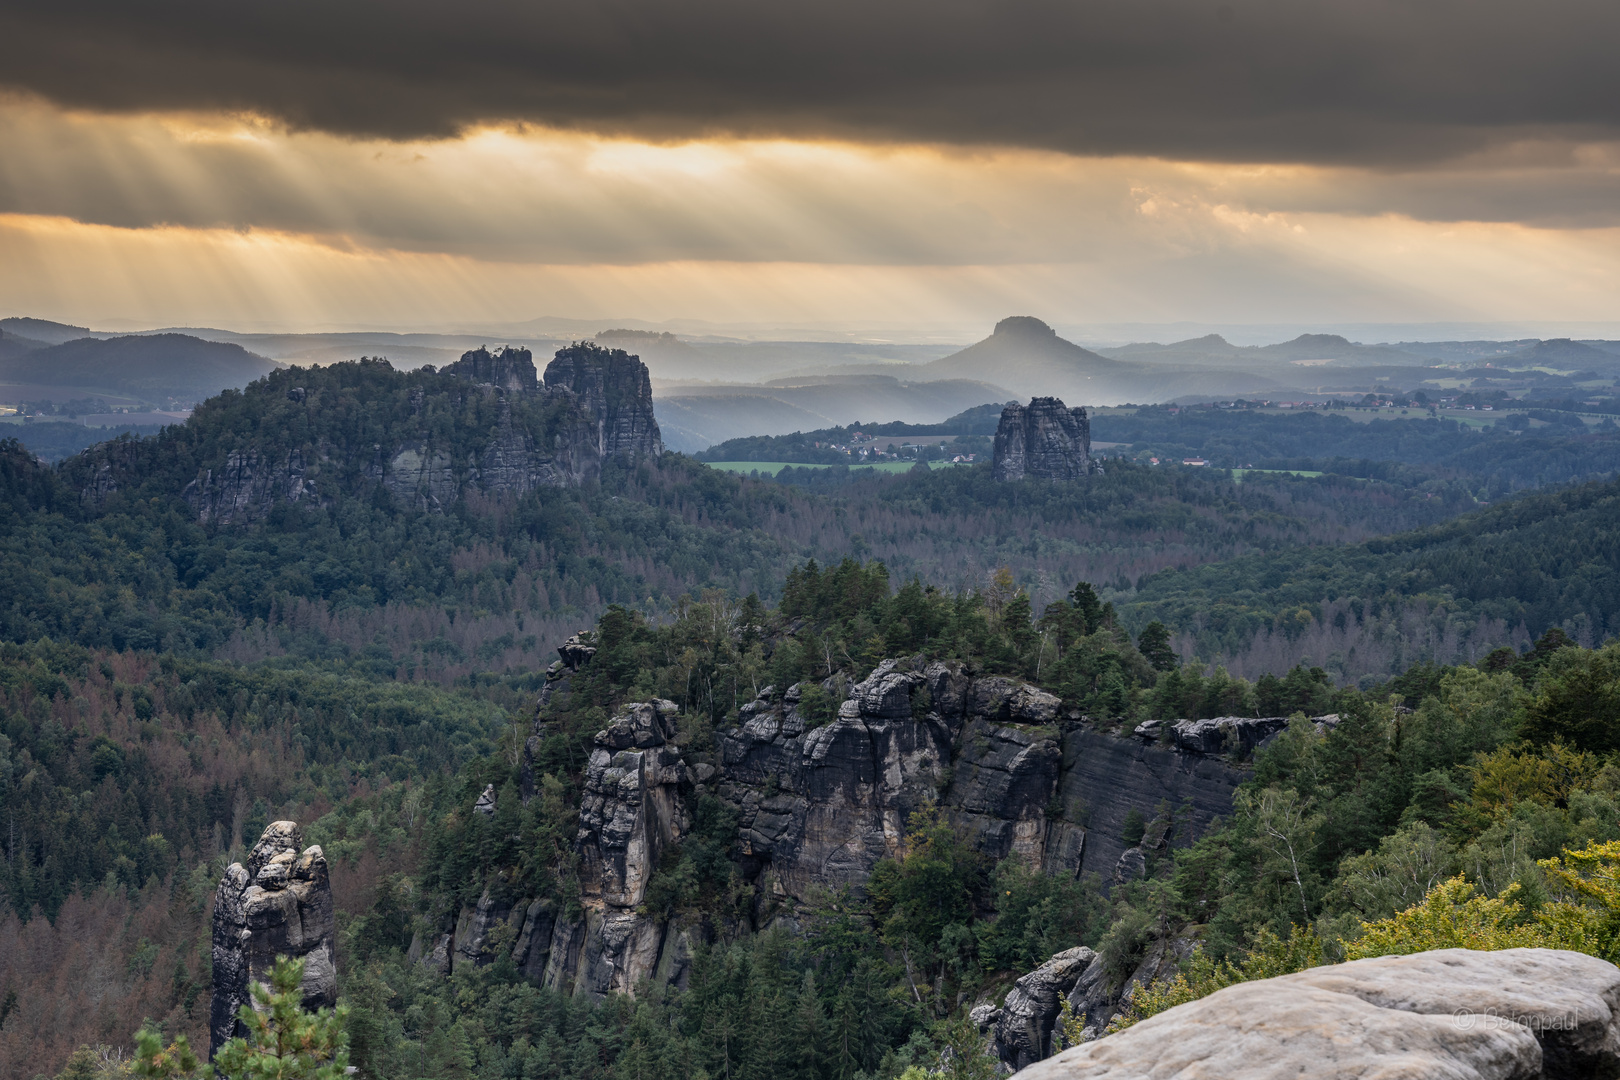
<point>369,667</point>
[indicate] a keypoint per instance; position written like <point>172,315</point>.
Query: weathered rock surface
<point>1517,1014</point>
<point>509,369</point>
<point>423,477</point>
<point>819,804</point>
<point>631,812</point>
<point>247,486</point>
<point>594,404</point>
<point>1023,1028</point>
<point>1045,439</point>
<point>514,461</point>
<point>615,389</point>
<point>279,904</point>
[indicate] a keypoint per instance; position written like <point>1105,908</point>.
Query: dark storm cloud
<point>1368,81</point>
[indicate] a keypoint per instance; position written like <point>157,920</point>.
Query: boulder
<point>279,904</point>
<point>1517,1014</point>
<point>1236,735</point>
<point>577,651</point>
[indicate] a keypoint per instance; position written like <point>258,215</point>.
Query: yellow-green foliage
<point>1452,916</point>
<point>1513,775</point>
<point>1587,916</point>
<point>1271,956</point>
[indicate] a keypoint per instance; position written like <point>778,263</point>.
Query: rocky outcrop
<point>631,813</point>
<point>279,904</point>
<point>423,477</point>
<point>508,369</point>
<point>595,404</point>
<point>247,486</point>
<point>1518,1014</point>
<point>1024,1023</point>
<point>615,389</point>
<point>820,800</point>
<point>577,651</point>
<point>1043,439</point>
<point>819,805</point>
<point>513,460</point>
<point>1238,736</point>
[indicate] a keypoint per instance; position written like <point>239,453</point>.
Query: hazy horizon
<point>1122,173</point>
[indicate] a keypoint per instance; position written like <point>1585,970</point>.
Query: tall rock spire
<point>616,389</point>
<point>280,904</point>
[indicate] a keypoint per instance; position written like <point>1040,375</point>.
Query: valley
<point>613,754</point>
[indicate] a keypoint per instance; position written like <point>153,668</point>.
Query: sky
<point>913,168</point>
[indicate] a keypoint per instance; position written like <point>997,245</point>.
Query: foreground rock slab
<point>1452,1014</point>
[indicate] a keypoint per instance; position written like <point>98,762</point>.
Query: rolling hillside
<point>157,368</point>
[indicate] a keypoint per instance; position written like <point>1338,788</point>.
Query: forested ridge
<point>495,580</point>
<point>1539,560</point>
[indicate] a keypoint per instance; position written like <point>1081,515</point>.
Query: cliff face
<point>279,904</point>
<point>247,486</point>
<point>631,813</point>
<point>1043,439</point>
<point>818,806</point>
<point>511,370</point>
<point>615,389</point>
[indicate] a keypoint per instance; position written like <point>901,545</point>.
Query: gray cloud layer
<point>1331,81</point>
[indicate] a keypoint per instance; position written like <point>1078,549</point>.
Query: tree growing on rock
<point>284,1042</point>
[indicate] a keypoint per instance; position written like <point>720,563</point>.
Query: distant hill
<point>1563,353</point>
<point>1212,349</point>
<point>666,356</point>
<point>43,330</point>
<point>696,417</point>
<point>12,344</point>
<point>1027,357</point>
<point>157,368</point>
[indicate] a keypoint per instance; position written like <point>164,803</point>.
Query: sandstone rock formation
<point>595,404</point>
<point>1043,439</point>
<point>509,369</point>
<point>1518,1014</point>
<point>247,486</point>
<point>1238,736</point>
<point>819,804</point>
<point>1024,1023</point>
<point>631,812</point>
<point>615,389</point>
<point>514,461</point>
<point>279,904</point>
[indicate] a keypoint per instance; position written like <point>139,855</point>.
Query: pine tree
<point>83,1065</point>
<point>154,1061</point>
<point>284,1042</point>
<point>1087,606</point>
<point>1154,645</point>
